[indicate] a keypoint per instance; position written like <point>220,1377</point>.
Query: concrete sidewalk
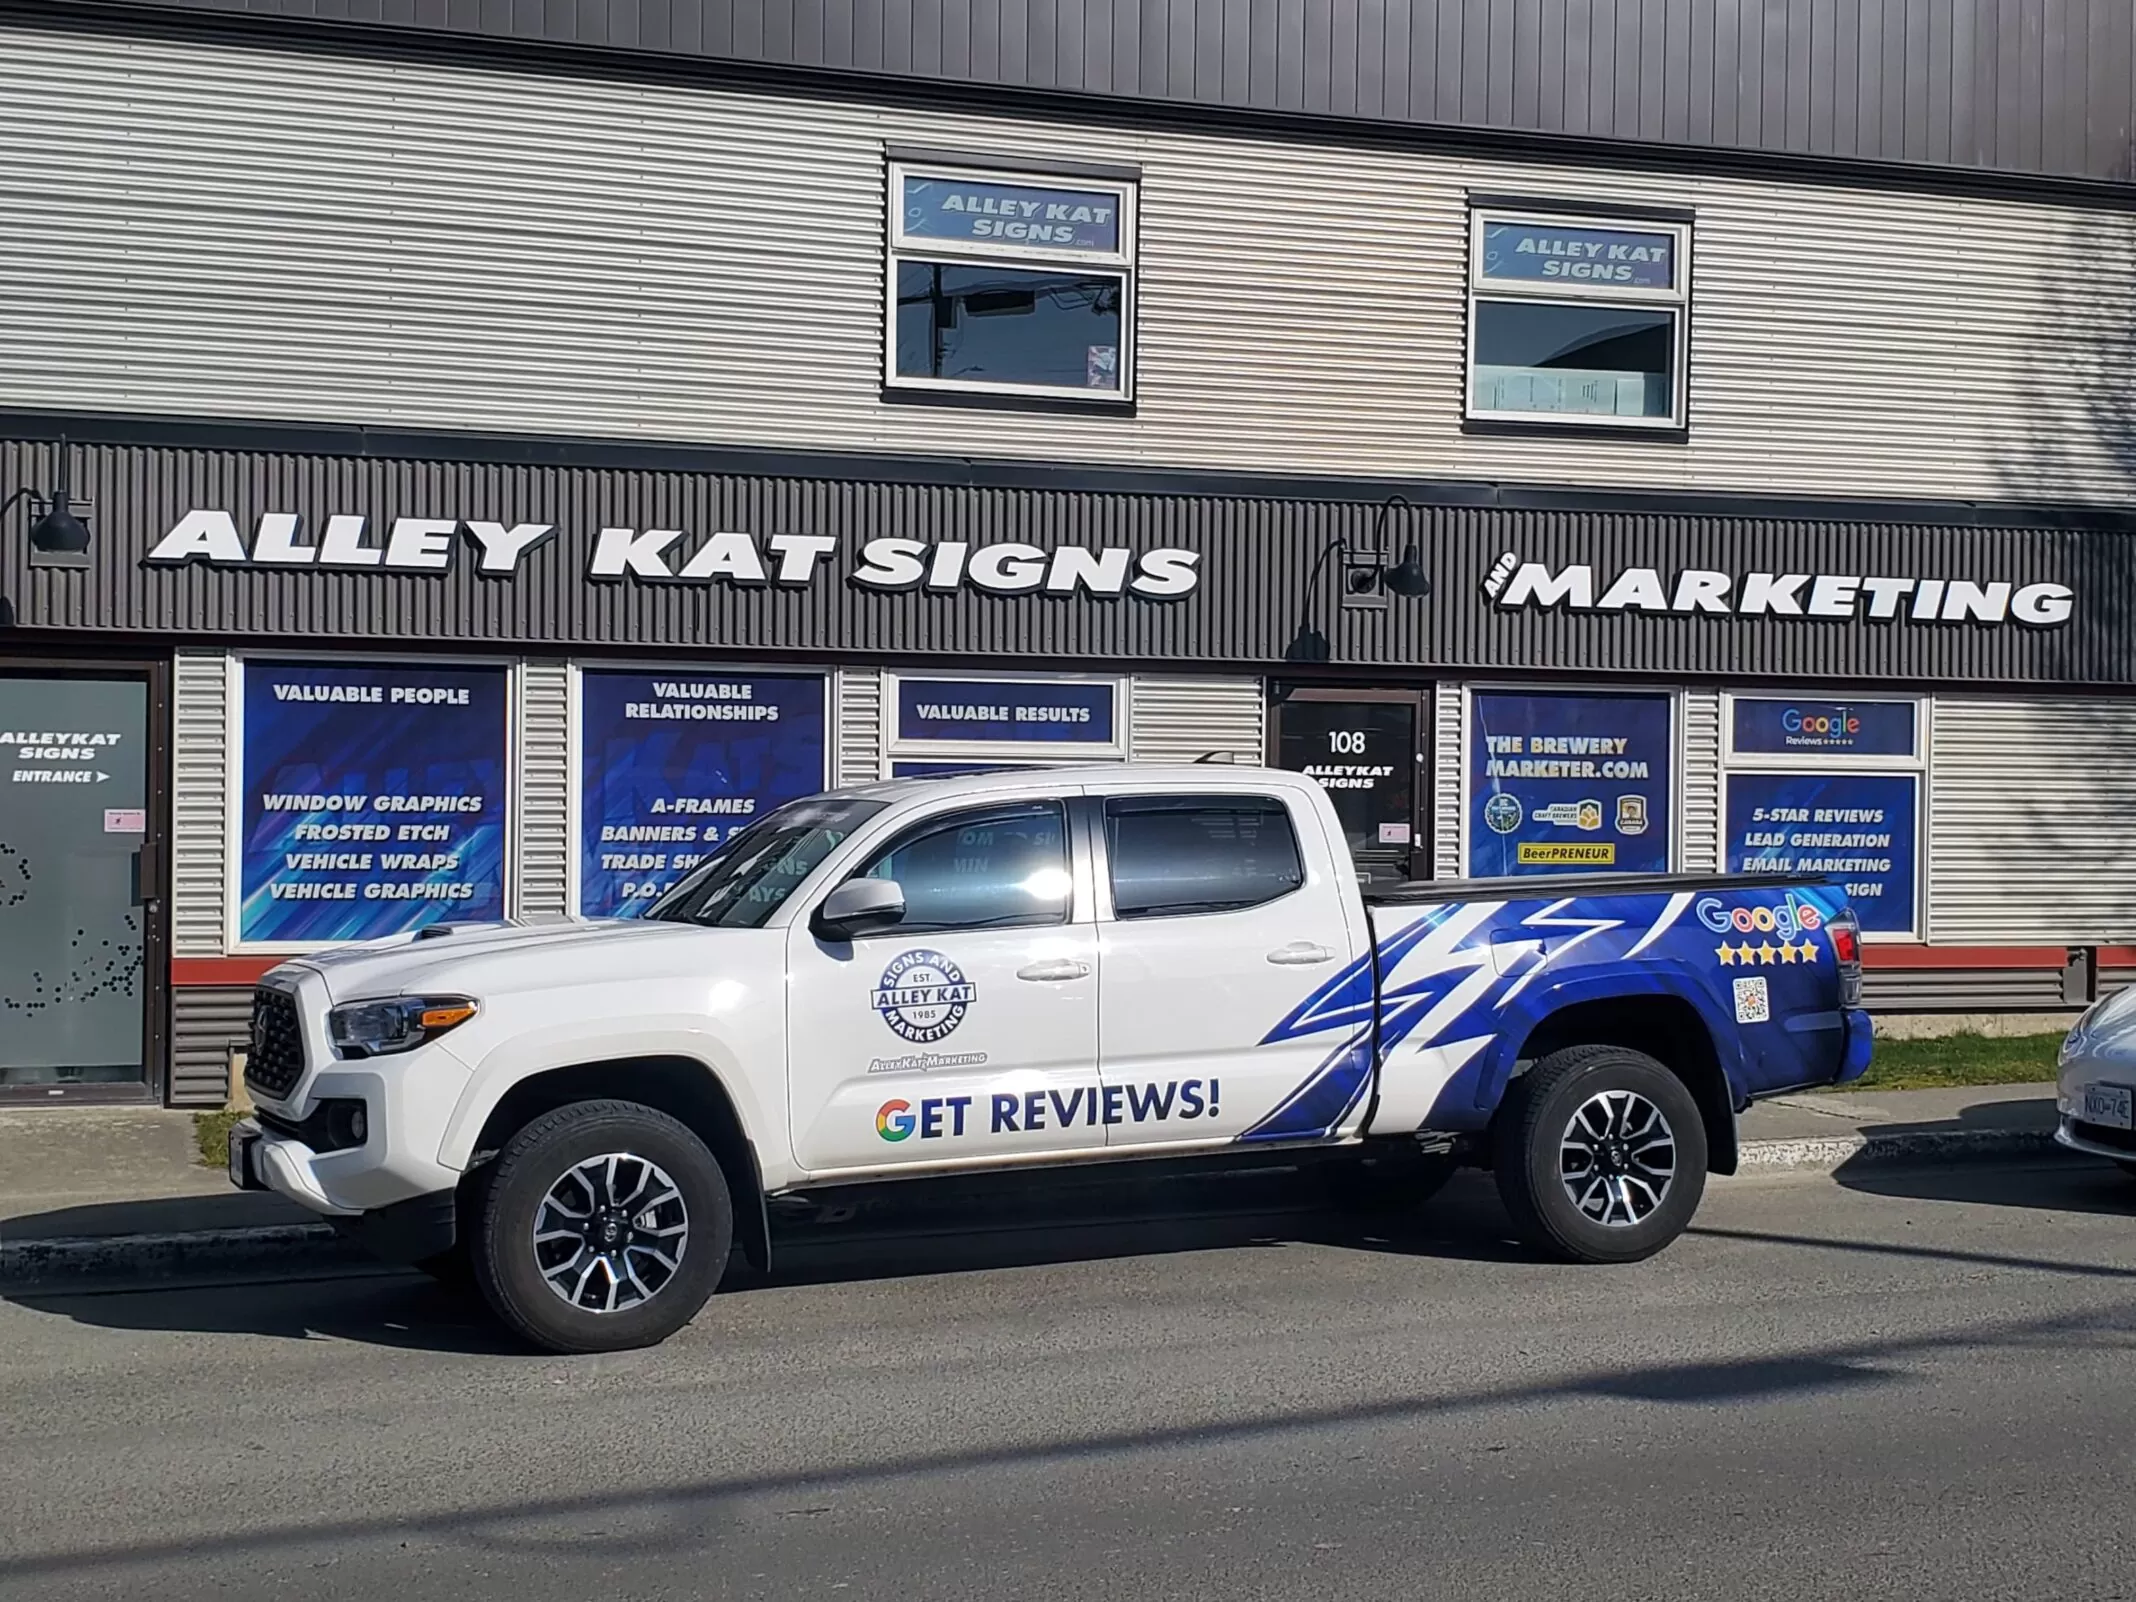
<point>94,1192</point>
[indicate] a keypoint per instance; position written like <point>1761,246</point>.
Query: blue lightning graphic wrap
<point>1450,992</point>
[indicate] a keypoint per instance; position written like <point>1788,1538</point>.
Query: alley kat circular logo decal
<point>923,996</point>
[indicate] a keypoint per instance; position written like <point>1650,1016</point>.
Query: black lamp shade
<point>1407,577</point>
<point>59,539</point>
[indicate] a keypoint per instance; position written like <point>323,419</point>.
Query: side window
<point>1181,854</point>
<point>990,868</point>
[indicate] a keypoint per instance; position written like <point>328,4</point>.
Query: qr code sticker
<point>1753,1003</point>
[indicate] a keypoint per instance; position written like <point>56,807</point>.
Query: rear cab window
<point>1176,855</point>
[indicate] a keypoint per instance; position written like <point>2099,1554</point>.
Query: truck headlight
<point>380,1028</point>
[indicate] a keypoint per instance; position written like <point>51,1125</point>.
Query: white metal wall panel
<point>857,716</point>
<point>200,779</point>
<point>1448,817</point>
<point>1698,831</point>
<point>219,229</point>
<point>541,798</point>
<point>2029,812</point>
<point>1184,720</point>
<point>206,1021</point>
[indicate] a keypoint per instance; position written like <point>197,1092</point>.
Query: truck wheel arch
<point>684,1088</point>
<point>1667,1028</point>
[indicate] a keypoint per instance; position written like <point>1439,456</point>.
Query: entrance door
<point>1365,747</point>
<point>75,905</point>
<point>970,1030</point>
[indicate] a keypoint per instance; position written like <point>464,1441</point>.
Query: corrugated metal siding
<point>541,794</point>
<point>2030,809</point>
<point>1448,729</point>
<point>1969,83</point>
<point>1962,989</point>
<point>1698,830</point>
<point>199,817</point>
<point>205,1021</point>
<point>1185,720</point>
<point>858,713</point>
<point>232,231</point>
<point>1256,550</point>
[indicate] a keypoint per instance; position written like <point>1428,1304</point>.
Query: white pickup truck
<point>1025,969</point>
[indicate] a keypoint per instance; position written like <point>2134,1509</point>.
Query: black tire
<point>1386,1182</point>
<point>1533,1171</point>
<point>509,1266</point>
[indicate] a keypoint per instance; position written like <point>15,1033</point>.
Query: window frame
<point>1915,767</point>
<point>1100,819</point>
<point>900,248</point>
<point>1676,301</point>
<point>934,823</point>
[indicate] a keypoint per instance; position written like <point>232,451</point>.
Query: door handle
<point>1058,968</point>
<point>1301,954</point>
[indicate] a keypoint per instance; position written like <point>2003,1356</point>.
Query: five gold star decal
<point>1765,953</point>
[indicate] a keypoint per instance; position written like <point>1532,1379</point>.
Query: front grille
<point>274,1061</point>
<point>2101,1135</point>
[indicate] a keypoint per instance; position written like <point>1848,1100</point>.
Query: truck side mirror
<point>857,907</point>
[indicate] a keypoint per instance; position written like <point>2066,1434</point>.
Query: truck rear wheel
<point>605,1226</point>
<point>1600,1155</point>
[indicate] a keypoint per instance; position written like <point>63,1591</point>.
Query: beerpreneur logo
<point>347,541</point>
<point>1513,583</point>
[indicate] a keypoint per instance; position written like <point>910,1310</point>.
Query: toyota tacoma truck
<point>1017,970</point>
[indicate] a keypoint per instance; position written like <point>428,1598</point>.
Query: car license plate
<point>2110,1105</point>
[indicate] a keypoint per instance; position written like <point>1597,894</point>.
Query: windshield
<point>749,878</point>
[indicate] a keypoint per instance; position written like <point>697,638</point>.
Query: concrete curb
<point>96,1261</point>
<point>103,1261</point>
<point>1824,1154</point>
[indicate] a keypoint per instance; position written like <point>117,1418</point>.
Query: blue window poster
<point>373,800</point>
<point>674,762</point>
<point>1569,784</point>
<point>1858,829</point>
<point>1013,214</point>
<point>1553,253</point>
<point>1040,712</point>
<point>1788,727</point>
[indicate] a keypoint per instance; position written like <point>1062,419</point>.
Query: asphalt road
<point>1926,1389</point>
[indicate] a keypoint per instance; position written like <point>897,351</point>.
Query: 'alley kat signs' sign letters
<point>350,542</point>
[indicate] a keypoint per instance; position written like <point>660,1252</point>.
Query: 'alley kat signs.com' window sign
<point>372,800</point>
<point>674,763</point>
<point>1568,783</point>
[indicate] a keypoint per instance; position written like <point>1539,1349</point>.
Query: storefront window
<point>1570,783</point>
<point>1830,788</point>
<point>1575,322</point>
<point>936,726</point>
<point>372,800</point>
<point>1015,284</point>
<point>673,763</point>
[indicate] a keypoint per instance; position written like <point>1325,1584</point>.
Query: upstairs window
<point>1010,283</point>
<point>1574,321</point>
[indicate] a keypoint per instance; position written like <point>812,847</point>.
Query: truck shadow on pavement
<point>895,1232</point>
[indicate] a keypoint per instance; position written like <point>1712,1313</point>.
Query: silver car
<point>2096,1093</point>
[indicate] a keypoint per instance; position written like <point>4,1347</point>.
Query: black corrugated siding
<point>2039,87</point>
<point>1252,599</point>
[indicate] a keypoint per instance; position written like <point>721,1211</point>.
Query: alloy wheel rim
<point>611,1233</point>
<point>1617,1159</point>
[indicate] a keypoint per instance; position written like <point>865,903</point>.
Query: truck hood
<point>489,959</point>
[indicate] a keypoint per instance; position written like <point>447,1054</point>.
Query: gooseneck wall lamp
<point>1368,577</point>
<point>58,537</point>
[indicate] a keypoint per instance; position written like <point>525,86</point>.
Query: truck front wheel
<point>1600,1155</point>
<point>605,1225</point>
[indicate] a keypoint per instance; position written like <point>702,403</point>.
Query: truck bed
<point>1416,892</point>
